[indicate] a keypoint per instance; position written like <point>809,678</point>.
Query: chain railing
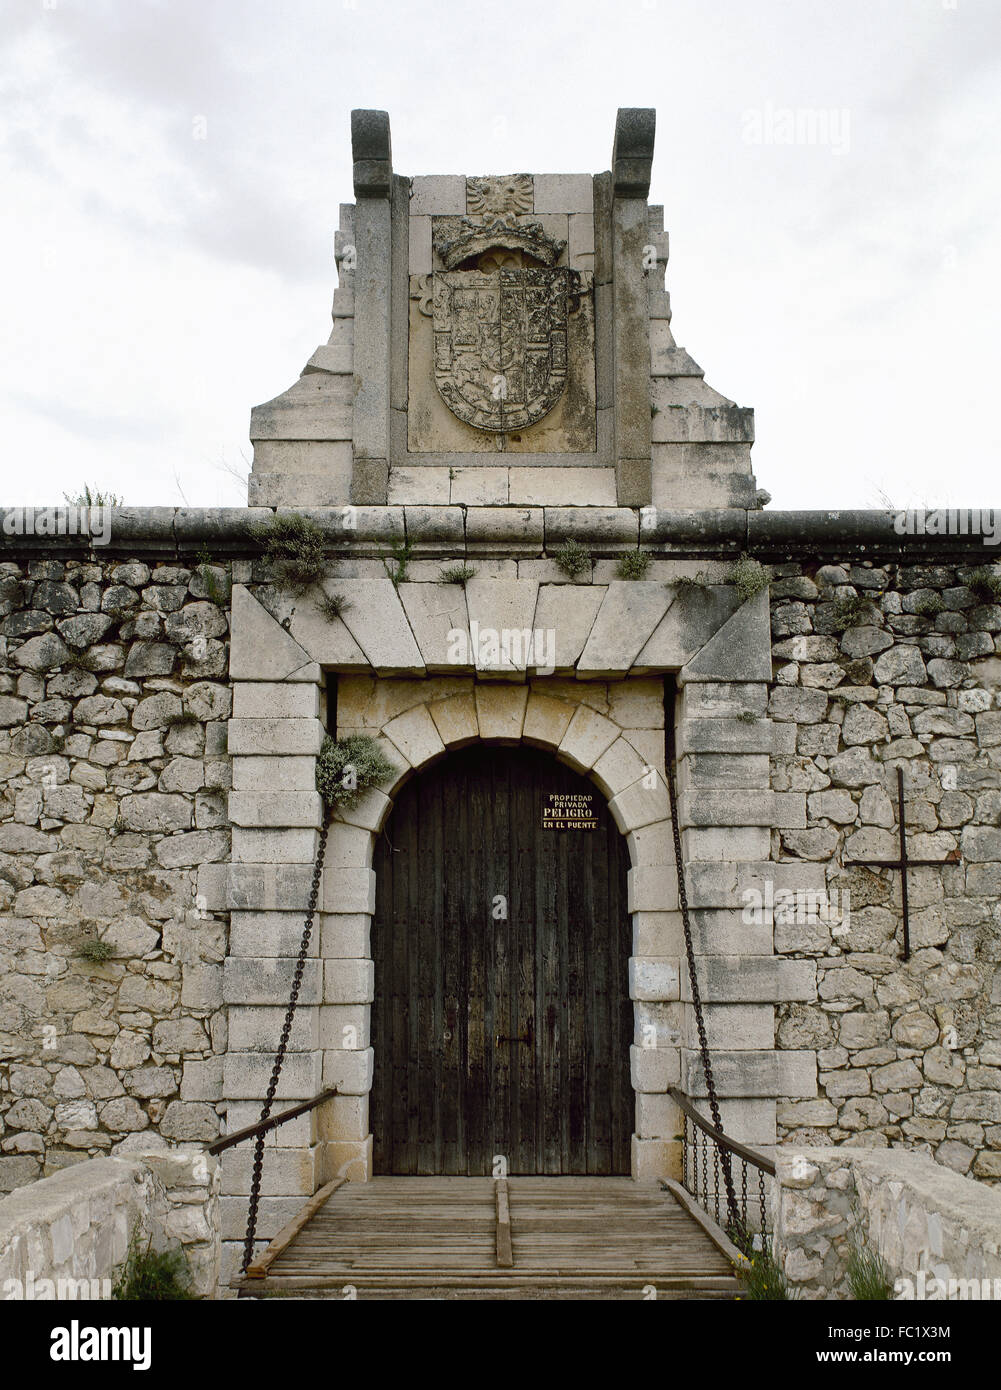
<point>716,1174</point>
<point>258,1131</point>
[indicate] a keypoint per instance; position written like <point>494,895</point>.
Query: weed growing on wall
<point>333,605</point>
<point>95,951</point>
<point>761,1277</point>
<point>749,577</point>
<point>633,565</point>
<point>851,612</point>
<point>985,584</point>
<point>456,574</point>
<point>868,1275</point>
<point>348,767</point>
<point>573,559</point>
<point>294,548</point>
<point>397,562</point>
<point>150,1275</point>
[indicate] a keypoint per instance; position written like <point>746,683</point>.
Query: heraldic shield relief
<point>500,343</point>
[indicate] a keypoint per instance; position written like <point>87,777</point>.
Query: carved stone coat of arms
<point>500,344</point>
<point>500,330</point>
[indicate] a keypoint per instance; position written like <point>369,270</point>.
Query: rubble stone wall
<point>114,699</point>
<point>875,668</point>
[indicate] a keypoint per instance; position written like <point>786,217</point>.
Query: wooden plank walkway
<point>525,1237</point>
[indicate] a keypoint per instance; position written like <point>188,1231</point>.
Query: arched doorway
<point>501,1021</point>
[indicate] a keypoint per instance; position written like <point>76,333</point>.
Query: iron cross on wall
<point>903,863</point>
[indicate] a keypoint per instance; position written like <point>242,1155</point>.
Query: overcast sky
<point>171,171</point>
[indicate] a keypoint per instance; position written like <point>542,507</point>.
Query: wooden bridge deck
<point>526,1237</point>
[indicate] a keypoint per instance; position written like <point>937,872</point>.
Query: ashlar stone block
<point>276,808</point>
<point>653,978</point>
<point>260,649</point>
<point>568,612</point>
<point>455,719</point>
<point>500,711</point>
<point>653,1069</point>
<point>275,700</point>
<point>415,734</point>
<point>630,612</point>
<point>589,734</point>
<point>349,1072</point>
<point>437,617</point>
<point>348,981</point>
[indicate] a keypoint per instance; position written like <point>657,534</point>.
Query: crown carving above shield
<point>459,240</point>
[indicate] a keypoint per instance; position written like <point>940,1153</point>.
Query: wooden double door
<point>501,1023</point>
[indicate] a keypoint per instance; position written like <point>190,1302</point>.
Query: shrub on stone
<point>294,548</point>
<point>348,767</point>
<point>572,558</point>
<point>633,565</point>
<point>95,951</point>
<point>749,576</point>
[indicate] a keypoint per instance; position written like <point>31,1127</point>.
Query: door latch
<point>528,1037</point>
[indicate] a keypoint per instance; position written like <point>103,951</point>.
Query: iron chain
<point>269,1099</point>
<point>693,978</point>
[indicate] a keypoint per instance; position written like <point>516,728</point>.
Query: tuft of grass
<point>456,574</point>
<point>150,1275</point>
<point>572,558</point>
<point>633,565</point>
<point>397,562</point>
<point>333,605</point>
<point>92,497</point>
<point>747,716</point>
<point>930,606</point>
<point>348,767</point>
<point>762,1278</point>
<point>95,951</point>
<point>690,582</point>
<point>868,1276</point>
<point>851,612</point>
<point>294,548</point>
<point>749,577</point>
<point>985,584</point>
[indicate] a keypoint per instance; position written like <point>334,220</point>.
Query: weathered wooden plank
<point>258,1268</point>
